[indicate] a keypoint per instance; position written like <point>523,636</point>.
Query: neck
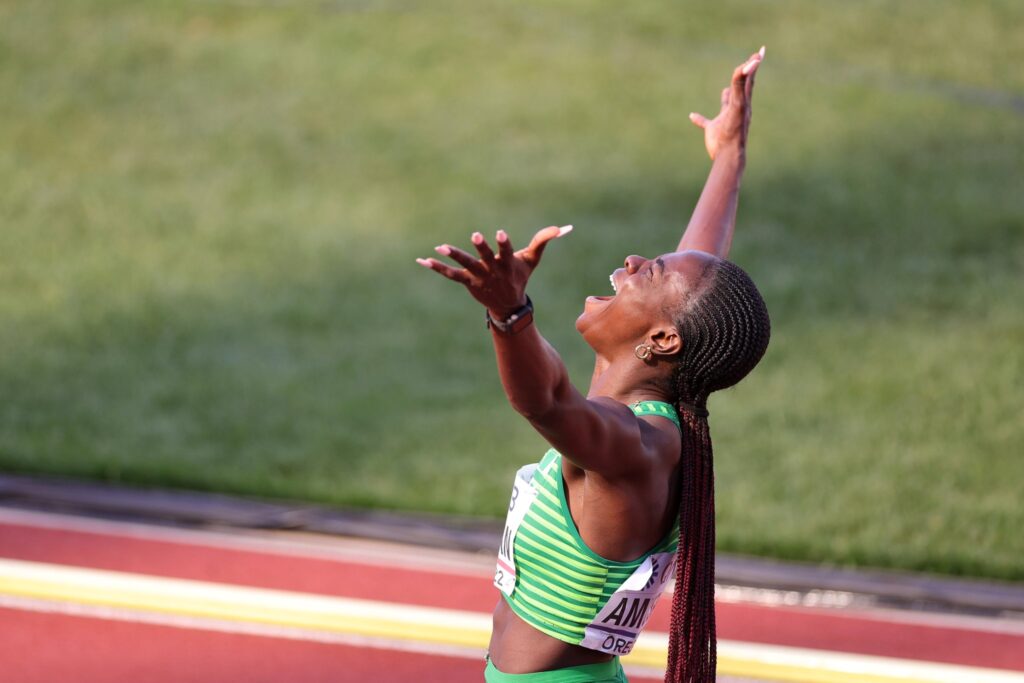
<point>627,380</point>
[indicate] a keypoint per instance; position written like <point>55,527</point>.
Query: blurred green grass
<point>211,211</point>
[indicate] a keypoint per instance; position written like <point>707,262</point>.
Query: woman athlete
<point>625,496</point>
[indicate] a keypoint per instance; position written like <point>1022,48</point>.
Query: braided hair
<point>724,328</point>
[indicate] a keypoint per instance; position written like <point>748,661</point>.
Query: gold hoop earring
<point>643,352</point>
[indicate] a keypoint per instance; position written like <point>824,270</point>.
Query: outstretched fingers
<point>475,272</point>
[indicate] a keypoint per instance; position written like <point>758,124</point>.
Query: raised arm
<point>714,218</point>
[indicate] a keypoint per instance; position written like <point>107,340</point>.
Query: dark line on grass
<point>944,89</point>
<point>995,99</point>
<point>331,6</point>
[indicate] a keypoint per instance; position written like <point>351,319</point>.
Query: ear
<point>665,341</point>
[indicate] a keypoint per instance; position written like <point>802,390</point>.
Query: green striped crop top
<point>558,585</point>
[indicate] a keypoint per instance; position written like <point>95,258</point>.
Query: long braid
<point>724,327</point>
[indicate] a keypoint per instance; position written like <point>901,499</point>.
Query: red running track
<point>48,648</point>
<point>96,643</point>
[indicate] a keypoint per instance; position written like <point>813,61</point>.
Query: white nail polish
<point>564,230</point>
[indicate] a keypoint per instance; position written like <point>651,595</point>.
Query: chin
<point>581,322</point>
<point>582,326</point>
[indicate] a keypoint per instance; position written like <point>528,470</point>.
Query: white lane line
<point>184,621</point>
<point>963,622</point>
<point>302,545</point>
<point>201,598</point>
<point>782,663</point>
<point>432,627</point>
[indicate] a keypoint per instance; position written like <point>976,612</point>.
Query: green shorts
<point>603,672</point>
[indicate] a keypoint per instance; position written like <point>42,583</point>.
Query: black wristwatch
<point>517,322</point>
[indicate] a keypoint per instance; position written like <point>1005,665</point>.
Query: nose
<point>634,262</point>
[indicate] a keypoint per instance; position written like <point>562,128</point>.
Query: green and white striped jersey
<point>555,583</point>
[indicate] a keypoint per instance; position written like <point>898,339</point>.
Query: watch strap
<point>515,323</point>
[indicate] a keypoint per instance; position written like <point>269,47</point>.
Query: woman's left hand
<point>729,129</point>
<point>498,281</point>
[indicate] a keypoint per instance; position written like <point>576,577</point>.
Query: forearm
<point>532,373</point>
<point>714,218</point>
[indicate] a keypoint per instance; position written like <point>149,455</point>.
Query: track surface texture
<point>69,611</point>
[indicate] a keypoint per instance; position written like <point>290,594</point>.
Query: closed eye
<point>650,268</point>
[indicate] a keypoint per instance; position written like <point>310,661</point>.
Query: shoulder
<point>655,444</point>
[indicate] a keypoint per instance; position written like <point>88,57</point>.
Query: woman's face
<point>646,291</point>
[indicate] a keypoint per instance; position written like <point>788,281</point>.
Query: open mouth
<point>615,290</point>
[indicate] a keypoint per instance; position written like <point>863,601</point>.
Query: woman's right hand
<point>498,281</point>
<point>730,127</point>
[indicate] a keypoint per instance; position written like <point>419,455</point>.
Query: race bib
<point>617,625</point>
<point>523,495</point>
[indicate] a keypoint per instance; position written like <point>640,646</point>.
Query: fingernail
<point>423,262</point>
<point>564,230</point>
<point>477,238</point>
<point>748,67</point>
<point>443,250</point>
<point>761,52</point>
<point>502,236</point>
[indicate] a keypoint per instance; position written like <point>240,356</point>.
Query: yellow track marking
<point>442,627</point>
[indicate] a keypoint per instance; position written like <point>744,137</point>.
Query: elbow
<point>538,407</point>
<point>534,411</point>
<point>538,399</point>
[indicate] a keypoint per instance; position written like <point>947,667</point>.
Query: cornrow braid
<point>724,328</point>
